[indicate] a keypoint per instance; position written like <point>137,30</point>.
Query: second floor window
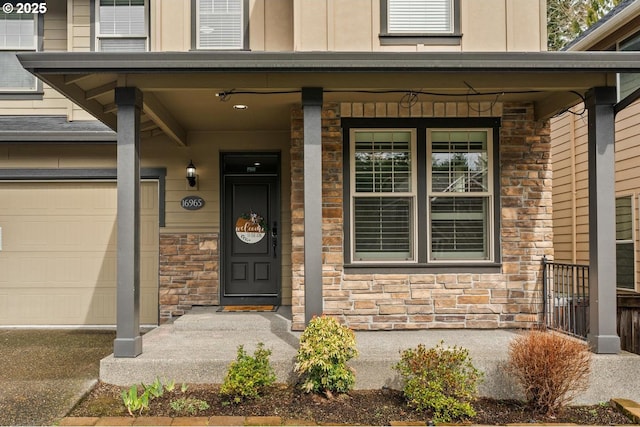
<point>122,26</point>
<point>18,33</point>
<point>419,16</point>
<point>420,21</point>
<point>629,82</point>
<point>221,24</point>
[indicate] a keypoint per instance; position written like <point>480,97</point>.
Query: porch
<point>198,347</point>
<point>168,98</point>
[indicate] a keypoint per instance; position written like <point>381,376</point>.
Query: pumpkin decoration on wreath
<point>251,227</point>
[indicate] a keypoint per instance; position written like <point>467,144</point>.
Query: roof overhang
<point>180,88</point>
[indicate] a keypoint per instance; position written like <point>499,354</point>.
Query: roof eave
<point>41,63</point>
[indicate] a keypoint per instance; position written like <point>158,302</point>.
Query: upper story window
<point>420,22</point>
<point>629,82</point>
<point>422,195</point>
<point>122,26</point>
<point>18,33</point>
<point>221,24</point>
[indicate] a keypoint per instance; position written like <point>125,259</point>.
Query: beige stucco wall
<point>354,25</point>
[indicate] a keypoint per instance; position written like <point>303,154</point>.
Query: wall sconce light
<point>191,174</point>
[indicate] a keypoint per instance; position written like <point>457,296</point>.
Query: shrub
<point>442,380</point>
<point>189,405</point>
<point>248,376</point>
<point>325,348</point>
<point>551,368</point>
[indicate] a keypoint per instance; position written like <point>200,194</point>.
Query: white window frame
<point>412,195</point>
<point>36,88</point>
<point>99,36</point>
<point>244,25</point>
<point>483,195</point>
<point>632,198</point>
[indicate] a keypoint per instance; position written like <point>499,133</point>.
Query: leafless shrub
<point>551,368</point>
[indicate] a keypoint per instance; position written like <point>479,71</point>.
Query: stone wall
<point>508,299</point>
<point>188,272</point>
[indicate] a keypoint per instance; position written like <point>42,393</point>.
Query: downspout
<point>574,209</point>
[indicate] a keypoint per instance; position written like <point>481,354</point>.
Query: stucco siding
<point>354,25</point>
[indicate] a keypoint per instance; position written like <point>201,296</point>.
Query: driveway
<point>44,372</point>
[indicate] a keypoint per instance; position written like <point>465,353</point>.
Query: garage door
<point>58,253</point>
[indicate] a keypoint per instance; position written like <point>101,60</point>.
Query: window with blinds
<point>122,26</point>
<point>421,195</point>
<point>628,82</point>
<point>383,201</point>
<point>459,194</point>
<point>420,16</point>
<point>625,253</point>
<point>220,24</point>
<point>17,34</point>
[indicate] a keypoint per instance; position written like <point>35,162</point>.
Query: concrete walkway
<point>198,347</point>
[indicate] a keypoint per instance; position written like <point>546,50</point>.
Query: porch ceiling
<point>180,88</point>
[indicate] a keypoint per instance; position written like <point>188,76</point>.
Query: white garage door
<point>58,253</point>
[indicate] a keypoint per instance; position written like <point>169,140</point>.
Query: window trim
<point>38,92</point>
<point>633,200</point>
<point>449,39</point>
<point>95,25</point>
<point>492,265</point>
<point>194,28</point>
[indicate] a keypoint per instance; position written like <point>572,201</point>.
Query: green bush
<point>442,380</point>
<point>325,348</point>
<point>248,376</point>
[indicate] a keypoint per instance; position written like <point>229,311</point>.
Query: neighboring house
<point>383,161</point>
<point>617,31</point>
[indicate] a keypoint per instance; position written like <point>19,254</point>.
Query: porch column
<point>602,336</point>
<point>312,115</point>
<point>128,342</point>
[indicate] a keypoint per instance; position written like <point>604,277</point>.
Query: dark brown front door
<point>251,250</point>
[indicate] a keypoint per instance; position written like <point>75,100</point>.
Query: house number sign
<point>192,203</point>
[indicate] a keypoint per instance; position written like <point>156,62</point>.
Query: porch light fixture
<point>191,174</point>
<point>240,107</point>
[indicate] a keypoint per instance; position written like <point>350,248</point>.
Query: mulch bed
<point>364,407</point>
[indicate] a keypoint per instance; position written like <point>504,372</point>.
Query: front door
<point>251,251</point>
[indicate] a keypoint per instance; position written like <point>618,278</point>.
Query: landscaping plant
<point>248,376</point>
<point>189,406</point>
<point>325,348</point>
<point>442,380</point>
<point>138,403</point>
<point>551,368</point>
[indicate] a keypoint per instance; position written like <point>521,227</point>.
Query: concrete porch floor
<point>198,347</point>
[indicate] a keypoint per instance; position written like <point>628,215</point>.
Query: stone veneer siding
<point>377,301</point>
<point>188,272</point>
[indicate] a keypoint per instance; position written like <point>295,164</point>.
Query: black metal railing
<point>565,294</point>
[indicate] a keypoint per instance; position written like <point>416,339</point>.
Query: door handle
<point>274,238</point>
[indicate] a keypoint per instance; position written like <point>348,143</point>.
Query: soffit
<point>180,89</point>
